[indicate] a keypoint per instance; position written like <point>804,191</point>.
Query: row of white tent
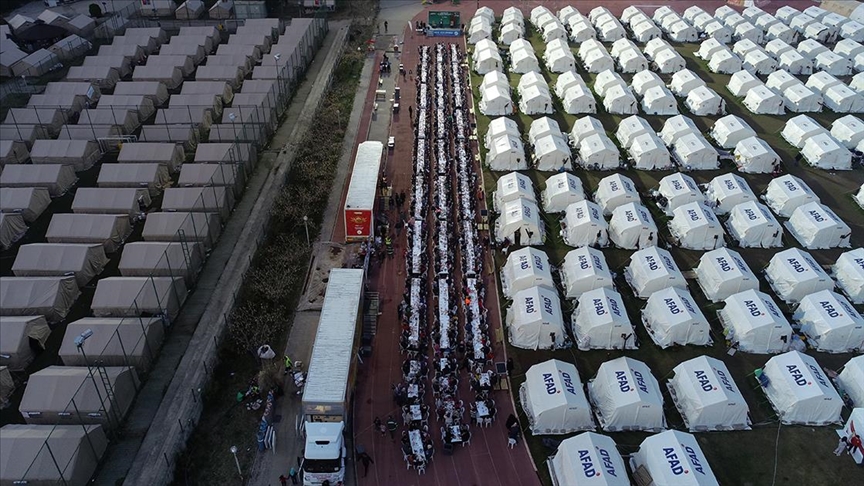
<point>821,148</point>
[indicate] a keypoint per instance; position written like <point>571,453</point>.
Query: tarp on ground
<point>109,230</point>
<point>17,334</point>
<point>553,399</point>
<point>139,296</point>
<point>51,297</point>
<point>83,261</point>
<point>26,457</point>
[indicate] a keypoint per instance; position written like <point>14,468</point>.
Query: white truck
<point>330,379</point>
<point>310,6</point>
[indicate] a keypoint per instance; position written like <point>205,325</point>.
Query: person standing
<point>379,426</point>
<point>288,364</point>
<point>842,445</point>
<point>292,474</point>
<point>385,26</point>
<point>283,480</point>
<point>365,459</point>
<point>391,427</point>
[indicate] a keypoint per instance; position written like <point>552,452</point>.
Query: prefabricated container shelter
<point>652,269</point>
<point>583,225</point>
<point>563,412</point>
<point>816,226</point>
<point>525,268</point>
<point>108,230</point>
<point>22,336</point>
<point>616,406</point>
<point>584,269</point>
<point>534,319</point>
<point>800,392</point>
<point>753,322</point>
<point>672,318</point>
<point>138,296</point>
<point>51,297</point>
<point>722,273</point>
<point>753,226</point>
<point>600,321</point>
<point>705,393</point>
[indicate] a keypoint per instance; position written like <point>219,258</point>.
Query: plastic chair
<point>421,469</point>
<point>511,442</point>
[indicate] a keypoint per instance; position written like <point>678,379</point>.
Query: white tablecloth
<point>482,409</point>
<point>417,444</point>
<point>413,390</point>
<point>444,312</point>
<point>414,321</point>
<point>455,433</point>
<point>416,413</point>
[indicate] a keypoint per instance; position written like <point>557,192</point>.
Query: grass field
<point>802,454</point>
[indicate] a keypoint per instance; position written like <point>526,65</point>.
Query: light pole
<point>306,224</point>
<point>233,450</point>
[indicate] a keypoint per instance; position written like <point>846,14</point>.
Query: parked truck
<point>330,379</point>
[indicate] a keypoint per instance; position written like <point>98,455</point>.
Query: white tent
<point>487,60</point>
<point>716,30</point>
<point>137,296</point>
<point>109,230</point>
<point>793,274</point>
<point>584,269</point>
<point>632,227</point>
<point>694,226</point>
<point>644,80</point>
<point>520,223</point>
<point>801,128</point>
<point>753,322</point>
<point>659,101</point>
<point>506,152</point>
<point>668,61</point>
<point>647,152</point>
<point>848,130</point>
<point>833,64</point>
<point>597,61</point>
<point>776,47</point>
<point>559,60</point>
<point>707,397</point>
<point>632,61</point>
<point>211,199</point>
<point>852,30</point>
<point>51,297</point>
<point>821,81</point>
<point>753,226</point>
<point>849,272</point>
<point>164,259</point>
<point>823,152</point>
<point>485,13</point>
<point>816,226</point>
<point>726,191</point>
<point>746,30</point>
<point>619,100</point>
<point>535,100</point>
<point>585,127</point>
<point>588,459</point>
<point>693,152</point>
<point>597,152</point>
<point>83,261</point>
<point>553,399</point>
<point>704,101</point>
<point>511,187</point>
<point>762,101</point>
<point>561,191</point>
<point>578,99</point>
<point>631,127</point>
<point>676,190</point>
<point>672,318</point>
<point>730,130</point>
<point>551,153</point>
<point>18,332</point>
<point>583,225</point>
<point>801,99</point>
<point>795,63</point>
<point>606,80</point>
<point>479,29</point>
<point>800,392</point>
<point>851,380</point>
<point>674,458</point>
<point>525,268</point>
<point>616,407</point>
<point>676,127</point>
<point>645,30</point>
<point>652,269</point>
<point>722,273</point>
<point>543,126</point>
<point>566,81</point>
<point>580,29</point>
<point>754,156</point>
<point>110,200</point>
<point>600,321</point>
<point>841,99</point>
<point>725,62</point>
<point>782,32</point>
<point>501,126</point>
<point>534,319</point>
<point>523,60</point>
<point>786,193</point>
<point>830,322</point>
<point>681,31</point>
<point>613,191</point>
<point>495,101</point>
<point>510,32</point>
<point>29,202</point>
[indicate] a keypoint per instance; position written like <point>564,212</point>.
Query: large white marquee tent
<point>830,322</point>
<point>793,274</point>
<point>672,318</point>
<point>600,321</point>
<point>800,392</point>
<point>553,399</point>
<point>754,324</point>
<point>626,396</point>
<point>722,273</point>
<point>707,397</point>
<point>534,318</point>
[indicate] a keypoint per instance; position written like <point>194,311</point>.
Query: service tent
<point>754,156</point>
<point>725,62</point>
<point>209,34</point>
<point>163,259</point>
<point>110,200</point>
<point>50,119</point>
<point>704,101</point>
<point>583,225</point>
<point>578,99</point>
<point>801,128</point>
<point>22,335</point>
<point>676,127</point>
<point>800,392</point>
<point>520,223</point>
<point>692,152</point>
<point>213,199</point>
<point>851,381</point>
<point>753,322</point>
<point>588,459</point>
<point>597,152</point>
<point>616,406</point>
<point>691,12</point>
<point>562,190</point>
<point>227,153</point>
<point>585,127</point>
<point>118,119</point>
<point>753,226</point>
<point>822,151</point>
<point>841,99</point>
<point>676,190</point>
<point>83,261</point>
<point>722,273</point>
<point>584,269</point>
<point>786,193</point>
<point>551,153</point>
<point>59,393</point>
<point>611,30</point>
<point>511,187</point>
<point>849,272</point>
<point>830,322</point>
<point>81,155</point>
<point>681,31</point>
<point>818,31</point>
<point>632,227</point>
<point>658,100</point>
<point>729,130</point>
<point>810,48</point>
<point>155,90</point>
<point>140,103</point>
<point>600,321</point>
<point>525,268</point>
<point>746,30</point>
<point>553,399</point>
<point>848,130</point>
<point>39,63</point>
<point>479,29</point>
<point>138,296</point>
<point>695,227</point>
<point>494,78</point>
<point>647,152</point>
<point>109,230</point>
<point>643,81</point>
<point>70,103</point>
<point>82,25</point>
<point>29,202</point>
<point>619,100</point>
<point>506,152</point>
<point>816,226</point>
<point>168,154</point>
<point>154,177</point>
<point>672,318</point>
<point>534,319</point>
<point>801,99</point>
<point>51,297</point>
<point>553,30</point>
<point>631,127</point>
<point>707,397</point>
<point>58,179</point>
<point>793,274</point>
<point>726,191</point>
<point>613,191</point>
<point>32,453</point>
<point>495,101</point>
<point>485,13</point>
<point>652,269</point>
<point>233,75</point>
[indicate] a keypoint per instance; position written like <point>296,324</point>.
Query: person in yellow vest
<point>288,364</point>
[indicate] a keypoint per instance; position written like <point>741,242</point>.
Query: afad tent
<point>588,459</point>
<point>754,156</point>
<point>801,128</point>
<point>762,101</point>
<point>800,392</point>
<point>685,81</point>
<point>741,82</point>
<point>562,190</point>
<point>672,318</point>
<point>830,322</point>
<point>658,100</point>
<point>647,152</point>
<point>584,269</point>
<point>615,190</point>
<point>753,322</point>
<point>823,152</point>
<point>520,223</point>
<point>632,227</point>
<point>585,127</point>
<point>652,269</point>
<point>704,101</point>
<point>694,226</point>
<point>511,187</point>
<point>22,336</point>
<point>676,127</point>
<point>551,153</point>
<point>643,81</point>
<point>525,268</point>
<point>848,130</point>
<point>583,225</point>
<point>849,272</point>
<point>722,273</point>
<point>626,396</point>
<point>851,382</point>
<point>730,130</point>
<point>692,152</point>
<point>674,458</point>
<point>816,226</point>
<point>707,397</point>
<point>553,399</point>
<point>597,152</point>
<point>506,152</point>
<point>600,321</point>
<point>676,190</point>
<point>753,226</point>
<point>32,453</point>
<point>794,274</point>
<point>534,319</point>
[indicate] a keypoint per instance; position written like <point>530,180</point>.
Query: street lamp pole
<point>233,450</point>
<point>306,224</point>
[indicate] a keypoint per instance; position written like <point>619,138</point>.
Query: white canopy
<point>600,321</point>
<point>726,191</point>
<point>849,272</point>
<point>729,130</point>
<point>674,458</point>
<point>562,190</point>
<point>754,156</point>
<point>851,380</point>
<point>632,227</point>
<point>83,261</point>
<point>534,319</point>
<point>506,152</point>
<point>722,273</point>
<point>672,318</point>
<point>823,152</point>
<point>29,202</point>
<point>588,459</point>
<point>51,297</point>
<point>694,226</point>
<point>613,191</point>
<point>583,225</point>
<point>617,407</point>
<point>553,399</point>
<point>676,127</point>
<point>800,392</point>
<point>652,269</point>
<point>597,152</point>
<point>511,187</point>
<point>816,226</point>
<point>584,269</point>
<point>520,223</point>
<point>830,322</point>
<point>525,268</point>
<point>848,130</point>
<point>135,296</point>
<point>801,128</point>
<point>753,226</point>
<point>707,397</point>
<point>693,152</point>
<point>17,333</point>
<point>752,321</point>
